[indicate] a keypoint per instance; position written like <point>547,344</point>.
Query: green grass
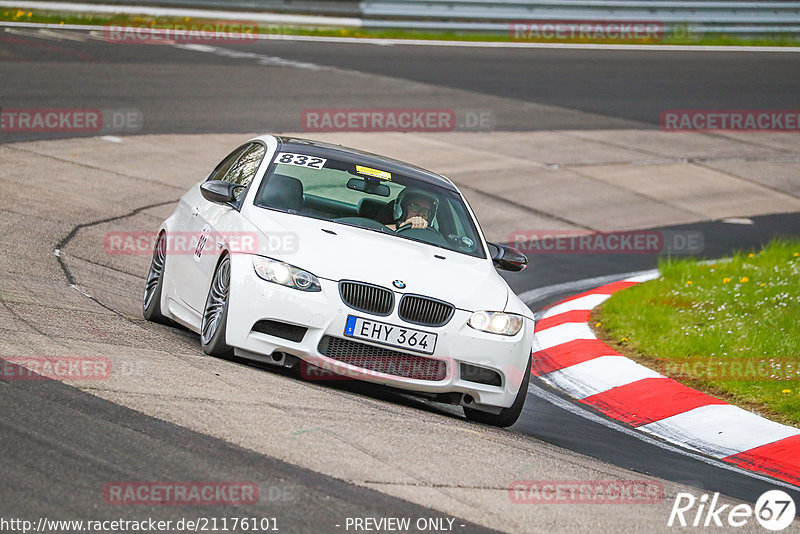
<point>53,17</point>
<point>731,328</point>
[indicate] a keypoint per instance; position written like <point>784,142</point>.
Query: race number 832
<point>301,160</point>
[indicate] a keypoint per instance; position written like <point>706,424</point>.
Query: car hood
<point>340,252</point>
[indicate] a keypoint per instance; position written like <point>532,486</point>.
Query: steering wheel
<point>408,226</point>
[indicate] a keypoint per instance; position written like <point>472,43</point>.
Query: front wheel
<point>151,303</point>
<point>215,312</point>
<point>507,416</point>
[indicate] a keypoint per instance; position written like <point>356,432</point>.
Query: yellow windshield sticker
<point>369,171</point>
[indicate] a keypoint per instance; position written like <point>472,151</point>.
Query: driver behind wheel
<point>414,207</point>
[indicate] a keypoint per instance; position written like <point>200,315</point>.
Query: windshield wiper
<point>382,229</point>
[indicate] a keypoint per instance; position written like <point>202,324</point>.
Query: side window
<point>227,163</point>
<point>244,170</point>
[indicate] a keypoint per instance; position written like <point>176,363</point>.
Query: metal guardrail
<point>713,16</point>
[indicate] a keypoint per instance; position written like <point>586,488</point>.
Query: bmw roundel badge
<point>399,284</point>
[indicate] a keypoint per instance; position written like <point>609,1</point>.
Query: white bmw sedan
<point>306,253</point>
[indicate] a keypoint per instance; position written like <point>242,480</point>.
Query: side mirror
<point>507,258</point>
<point>219,191</point>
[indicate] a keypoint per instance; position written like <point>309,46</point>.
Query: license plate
<point>390,334</point>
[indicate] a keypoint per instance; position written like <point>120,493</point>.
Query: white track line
<point>272,61</point>
<point>534,295</point>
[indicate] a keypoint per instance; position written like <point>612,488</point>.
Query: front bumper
<point>325,314</point>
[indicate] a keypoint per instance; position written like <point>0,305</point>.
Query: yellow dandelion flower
<point>744,280</point>
<point>786,391</point>
<point>750,255</point>
<point>796,254</point>
<point>597,324</point>
<point>19,13</point>
<point>624,339</point>
<point>726,280</point>
<point>763,284</point>
<point>688,282</point>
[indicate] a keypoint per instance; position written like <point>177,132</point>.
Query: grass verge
<point>680,37</point>
<point>730,328</point>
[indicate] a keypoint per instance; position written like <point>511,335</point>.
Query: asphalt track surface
<point>226,89</point>
<point>633,85</point>
<point>57,437</point>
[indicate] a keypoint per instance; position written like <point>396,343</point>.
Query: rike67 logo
<point>774,510</point>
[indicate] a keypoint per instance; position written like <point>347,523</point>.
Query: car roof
<point>354,155</point>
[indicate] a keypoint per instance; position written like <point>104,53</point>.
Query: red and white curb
<point>568,356</point>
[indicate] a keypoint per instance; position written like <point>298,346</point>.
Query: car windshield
<point>372,198</point>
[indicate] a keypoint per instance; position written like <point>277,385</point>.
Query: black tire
<point>215,312</point>
<point>151,301</point>
<point>507,416</point>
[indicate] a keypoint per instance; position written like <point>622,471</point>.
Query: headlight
<point>285,274</point>
<point>505,324</point>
